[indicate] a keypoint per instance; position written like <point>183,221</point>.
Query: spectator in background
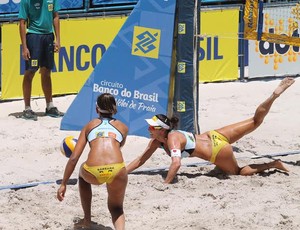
<point>39,21</point>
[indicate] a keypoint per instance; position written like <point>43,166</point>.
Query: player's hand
<point>61,192</point>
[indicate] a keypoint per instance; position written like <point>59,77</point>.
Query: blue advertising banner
<point>135,69</point>
<point>12,6</point>
<point>111,2</point>
<point>9,6</point>
<point>71,4</point>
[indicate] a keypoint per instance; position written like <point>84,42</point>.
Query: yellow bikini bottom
<point>218,141</point>
<point>104,173</point>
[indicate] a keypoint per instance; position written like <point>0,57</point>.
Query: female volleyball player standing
<point>105,163</point>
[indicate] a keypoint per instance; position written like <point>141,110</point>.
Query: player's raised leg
<point>236,131</point>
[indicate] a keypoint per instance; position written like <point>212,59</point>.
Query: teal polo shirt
<point>39,15</point>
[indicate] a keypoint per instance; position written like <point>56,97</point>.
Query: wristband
<point>175,153</point>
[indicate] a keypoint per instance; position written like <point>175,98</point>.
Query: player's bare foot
<point>82,224</point>
<point>283,85</point>
<point>278,165</point>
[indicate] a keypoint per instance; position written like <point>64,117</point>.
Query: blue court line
<point>209,163</point>
<point>276,154</point>
<point>26,185</point>
<point>74,181</point>
<point>33,184</point>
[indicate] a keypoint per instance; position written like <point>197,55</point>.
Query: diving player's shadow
<point>216,172</point>
<point>161,172</point>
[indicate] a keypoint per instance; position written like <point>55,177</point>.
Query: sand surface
<point>202,197</point>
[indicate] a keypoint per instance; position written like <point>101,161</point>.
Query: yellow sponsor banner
<point>280,39</point>
<point>250,19</point>
<point>218,53</point>
<point>83,42</point>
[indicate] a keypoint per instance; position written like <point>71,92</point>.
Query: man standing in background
<point>39,22</point>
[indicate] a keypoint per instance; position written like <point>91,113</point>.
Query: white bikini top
<point>104,130</point>
<point>190,143</point>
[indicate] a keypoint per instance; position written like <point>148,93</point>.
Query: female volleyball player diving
<point>104,164</point>
<point>214,146</point>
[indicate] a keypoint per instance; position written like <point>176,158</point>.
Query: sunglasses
<point>154,127</point>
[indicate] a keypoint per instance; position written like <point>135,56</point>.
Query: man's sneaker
<point>53,112</point>
<point>28,114</point>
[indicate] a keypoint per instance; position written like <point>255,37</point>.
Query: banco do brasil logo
<point>146,42</point>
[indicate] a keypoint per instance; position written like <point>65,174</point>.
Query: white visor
<point>154,121</point>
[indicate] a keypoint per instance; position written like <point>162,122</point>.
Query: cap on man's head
<point>155,121</point>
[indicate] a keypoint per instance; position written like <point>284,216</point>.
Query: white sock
<point>27,107</point>
<point>50,105</point>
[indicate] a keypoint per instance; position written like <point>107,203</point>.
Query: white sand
<point>201,199</point>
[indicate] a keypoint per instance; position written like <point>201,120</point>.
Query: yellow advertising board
<point>218,53</point>
<point>251,19</point>
<point>83,43</point>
